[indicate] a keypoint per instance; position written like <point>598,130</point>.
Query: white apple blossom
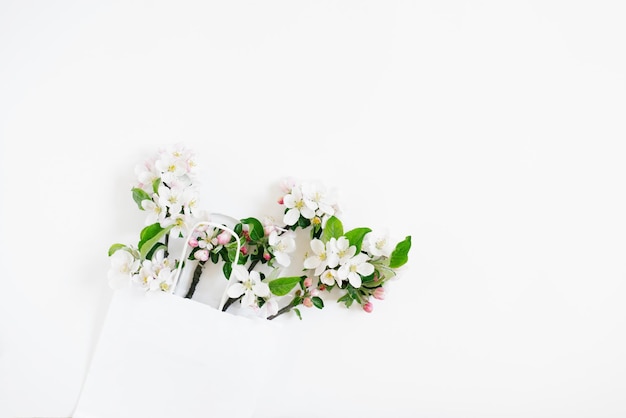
<point>180,152</point>
<point>181,224</point>
<point>377,244</point>
<point>155,211</point>
<point>171,167</point>
<point>342,248</point>
<point>146,175</point>
<point>269,308</point>
<point>123,266</point>
<point>288,184</point>
<point>354,268</point>
<point>282,246</point>
<point>294,202</point>
<point>146,275</point>
<point>323,256</point>
<point>317,199</point>
<point>329,277</point>
<point>248,284</point>
<point>157,273</point>
<point>189,200</point>
<point>163,280</point>
<point>171,198</point>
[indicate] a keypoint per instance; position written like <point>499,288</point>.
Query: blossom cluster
<point>166,190</point>
<point>355,263</point>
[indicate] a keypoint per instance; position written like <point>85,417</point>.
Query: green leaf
<point>297,311</point>
<point>318,302</point>
<point>113,248</point>
<point>227,268</point>
<point>155,185</point>
<point>333,229</point>
<point>283,285</point>
<point>302,223</point>
<point>369,278</point>
<point>139,196</point>
<point>255,228</point>
<point>154,249</point>
<point>231,251</point>
<point>356,237</point>
<point>150,236</point>
<point>354,294</point>
<point>346,299</point>
<point>400,254</point>
<point>149,232</point>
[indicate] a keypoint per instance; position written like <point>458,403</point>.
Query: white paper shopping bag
<point>162,355</point>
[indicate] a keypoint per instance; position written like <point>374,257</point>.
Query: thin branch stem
<point>282,310</point>
<point>194,281</point>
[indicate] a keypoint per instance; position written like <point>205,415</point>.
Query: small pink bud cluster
<point>223,238</point>
<point>313,291</point>
<point>379,293</point>
<point>202,255</point>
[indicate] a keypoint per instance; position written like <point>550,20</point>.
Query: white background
<point>491,132</point>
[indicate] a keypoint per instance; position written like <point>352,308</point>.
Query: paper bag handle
<point>184,255</point>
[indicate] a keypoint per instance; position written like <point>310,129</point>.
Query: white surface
<point>492,132</point>
<point>170,351</point>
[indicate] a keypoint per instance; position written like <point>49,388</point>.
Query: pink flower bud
<point>193,243</point>
<point>368,307</point>
<point>308,282</point>
<point>322,287</point>
<point>244,250</point>
<point>379,293</point>
<point>281,201</point>
<point>223,238</point>
<point>266,256</point>
<point>202,255</point>
<point>307,302</point>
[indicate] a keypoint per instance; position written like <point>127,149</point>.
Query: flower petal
<point>355,280</point>
<point>282,259</point>
<point>248,299</point>
<point>291,217</point>
<point>365,269</point>
<point>261,289</point>
<point>235,290</point>
<point>312,262</point>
